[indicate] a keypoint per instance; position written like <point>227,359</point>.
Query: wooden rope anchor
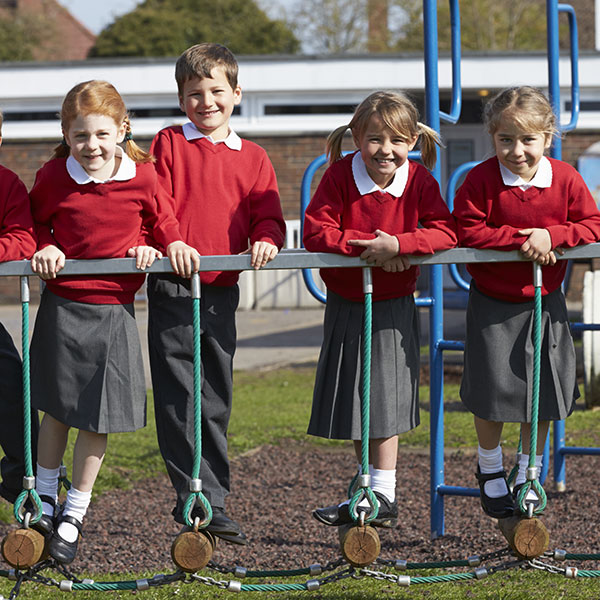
<point>359,545</point>
<point>192,550</point>
<point>24,547</point>
<point>527,537</point>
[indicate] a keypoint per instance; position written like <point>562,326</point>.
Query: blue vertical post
<point>436,328</point>
<point>555,152</point>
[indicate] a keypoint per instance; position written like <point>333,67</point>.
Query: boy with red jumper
<point>16,243</point>
<point>220,195</point>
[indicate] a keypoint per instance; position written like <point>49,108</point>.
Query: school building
<point>289,106</point>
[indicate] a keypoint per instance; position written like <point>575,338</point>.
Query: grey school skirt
<point>497,379</point>
<point>86,365</point>
<point>336,409</point>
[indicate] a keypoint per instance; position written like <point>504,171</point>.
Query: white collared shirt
<point>541,179</point>
<point>366,185</point>
<point>125,172</point>
<point>232,141</point>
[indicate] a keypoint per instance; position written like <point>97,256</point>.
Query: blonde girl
<point>519,200</point>
<point>91,200</point>
<point>376,204</point>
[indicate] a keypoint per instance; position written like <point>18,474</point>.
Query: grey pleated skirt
<point>336,409</point>
<point>86,365</point>
<point>497,381</point>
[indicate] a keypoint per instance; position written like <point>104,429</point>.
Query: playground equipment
<point>527,540</point>
<point>359,543</point>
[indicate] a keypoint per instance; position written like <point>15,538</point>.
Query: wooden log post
<point>528,538</point>
<point>192,550</point>
<point>360,546</point>
<point>23,548</point>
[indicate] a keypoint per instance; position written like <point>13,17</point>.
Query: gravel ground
<point>274,491</point>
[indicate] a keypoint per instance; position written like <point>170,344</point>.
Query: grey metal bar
<point>286,259</point>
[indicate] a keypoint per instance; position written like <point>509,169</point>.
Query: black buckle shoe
<point>498,508</point>
<point>222,526</point>
<point>337,515</point>
<point>45,525</point>
<point>60,550</point>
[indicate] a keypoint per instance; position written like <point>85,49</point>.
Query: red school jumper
<point>94,220</point>
<point>338,213</point>
<point>217,199</point>
<point>17,240</point>
<point>489,215</point>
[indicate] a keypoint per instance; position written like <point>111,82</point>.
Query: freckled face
<point>383,151</point>
<point>209,103</point>
<point>518,150</point>
<point>93,141</point>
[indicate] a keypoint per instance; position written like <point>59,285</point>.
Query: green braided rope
<point>367,492</point>
<point>586,573</point>
<point>443,578</point>
<point>537,349</point>
<point>109,586</point>
<point>197,496</point>
<point>19,506</point>
<point>273,587</point>
<point>279,573</point>
<point>582,556</point>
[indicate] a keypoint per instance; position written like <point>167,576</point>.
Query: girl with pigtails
<point>91,200</point>
<point>376,204</point>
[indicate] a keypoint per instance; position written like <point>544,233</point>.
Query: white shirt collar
<point>541,179</point>
<point>366,185</point>
<point>232,141</point>
<point>125,171</point>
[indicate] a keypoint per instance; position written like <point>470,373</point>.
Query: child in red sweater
<point>17,242</point>
<point>92,200</point>
<point>221,197</point>
<point>519,200</point>
<point>378,205</point>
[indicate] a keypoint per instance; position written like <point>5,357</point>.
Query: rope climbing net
<point>353,565</point>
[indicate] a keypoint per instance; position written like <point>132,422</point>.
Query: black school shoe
<point>222,526</point>
<point>498,508</point>
<point>62,551</point>
<point>45,525</point>
<point>335,515</point>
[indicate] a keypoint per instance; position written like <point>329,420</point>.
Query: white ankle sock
<point>46,484</point>
<point>522,474</point>
<point>490,461</point>
<point>384,482</point>
<point>76,507</point>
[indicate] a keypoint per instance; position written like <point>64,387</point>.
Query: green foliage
<point>168,27</point>
<point>486,25</point>
<point>14,41</point>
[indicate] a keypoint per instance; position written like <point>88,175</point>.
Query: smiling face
<point>382,150</point>
<point>208,103</point>
<point>520,151</point>
<point>93,141</point>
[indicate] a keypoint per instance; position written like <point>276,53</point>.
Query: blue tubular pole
<point>456,102</point>
<point>574,51</point>
<point>436,329</point>
<point>552,10</point>
<point>307,178</point>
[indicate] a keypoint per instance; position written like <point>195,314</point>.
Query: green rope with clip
<point>532,482</point>
<point>363,489</point>
<point>196,494</point>
<point>29,480</point>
